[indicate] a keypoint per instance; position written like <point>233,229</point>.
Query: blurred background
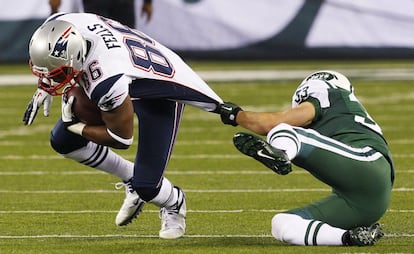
<point>245,29</point>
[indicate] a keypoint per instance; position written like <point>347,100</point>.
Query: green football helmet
<point>334,78</point>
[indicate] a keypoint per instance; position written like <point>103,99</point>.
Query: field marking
<point>145,211</point>
<point>8,143</point>
<point>178,143</point>
<point>187,191</point>
<point>130,157</point>
<point>403,189</point>
<point>24,131</point>
<point>172,172</point>
<point>156,236</point>
<point>179,156</point>
<point>255,75</point>
<point>157,211</point>
<point>394,97</point>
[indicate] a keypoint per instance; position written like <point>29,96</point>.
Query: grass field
<point>52,205</point>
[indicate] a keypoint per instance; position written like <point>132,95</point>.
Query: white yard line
<point>178,156</point>
<point>254,75</point>
<point>169,172</point>
<point>156,236</point>
<point>157,211</point>
<point>187,191</point>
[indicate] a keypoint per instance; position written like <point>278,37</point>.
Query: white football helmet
<point>332,77</point>
<point>57,52</point>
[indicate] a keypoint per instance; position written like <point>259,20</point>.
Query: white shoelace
<point>128,186</point>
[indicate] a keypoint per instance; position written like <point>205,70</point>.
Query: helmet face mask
<point>57,53</point>
<point>56,79</point>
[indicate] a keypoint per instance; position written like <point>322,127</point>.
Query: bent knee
<point>64,141</point>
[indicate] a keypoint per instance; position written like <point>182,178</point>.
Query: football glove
<point>40,97</point>
<point>228,112</point>
<point>68,118</point>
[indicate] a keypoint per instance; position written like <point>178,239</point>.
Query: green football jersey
<point>341,116</point>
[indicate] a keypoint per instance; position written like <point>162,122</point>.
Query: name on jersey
<point>106,35</point>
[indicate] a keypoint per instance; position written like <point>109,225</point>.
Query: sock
<point>293,229</point>
<point>104,159</point>
<point>168,195</point>
<point>283,137</point>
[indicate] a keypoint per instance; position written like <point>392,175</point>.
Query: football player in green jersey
<point>330,134</point>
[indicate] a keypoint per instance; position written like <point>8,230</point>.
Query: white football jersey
<point>118,55</point>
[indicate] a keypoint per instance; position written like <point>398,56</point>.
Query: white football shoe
<point>131,207</point>
<point>173,218</point>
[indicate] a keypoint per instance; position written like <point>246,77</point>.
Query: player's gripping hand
<point>68,118</point>
<point>40,97</point>
<point>228,112</point>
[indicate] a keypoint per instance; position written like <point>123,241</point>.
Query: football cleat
<point>263,152</point>
<point>131,207</point>
<point>173,218</point>
<point>365,236</point>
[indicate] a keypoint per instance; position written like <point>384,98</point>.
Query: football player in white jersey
<point>124,72</point>
<point>330,134</point>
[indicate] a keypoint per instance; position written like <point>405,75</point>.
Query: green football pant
<point>360,179</point>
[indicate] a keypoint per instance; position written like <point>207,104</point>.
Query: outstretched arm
<point>262,122</point>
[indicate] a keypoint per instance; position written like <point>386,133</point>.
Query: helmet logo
<point>323,76</point>
<point>60,48</point>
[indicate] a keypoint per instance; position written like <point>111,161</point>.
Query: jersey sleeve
<point>110,93</point>
<point>315,92</point>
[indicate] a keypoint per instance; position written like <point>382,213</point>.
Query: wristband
<point>124,141</point>
<point>77,128</point>
<point>233,116</point>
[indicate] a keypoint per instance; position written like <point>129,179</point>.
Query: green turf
<point>52,205</point>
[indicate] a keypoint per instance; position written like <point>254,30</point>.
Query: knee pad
<point>64,141</point>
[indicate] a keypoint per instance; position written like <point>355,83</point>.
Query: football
<point>83,108</point>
